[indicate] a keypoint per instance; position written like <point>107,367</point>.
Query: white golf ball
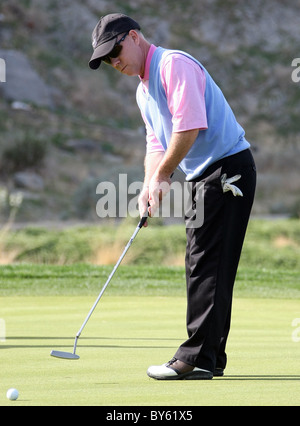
<point>12,394</point>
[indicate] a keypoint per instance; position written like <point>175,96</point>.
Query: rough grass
<point>63,261</point>
<point>268,244</point>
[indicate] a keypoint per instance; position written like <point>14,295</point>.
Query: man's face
<point>131,59</point>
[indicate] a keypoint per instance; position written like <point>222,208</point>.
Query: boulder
<point>29,180</point>
<point>23,83</point>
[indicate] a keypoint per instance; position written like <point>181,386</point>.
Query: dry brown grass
<point>281,242</point>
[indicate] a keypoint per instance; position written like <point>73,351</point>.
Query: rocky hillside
<point>65,128</point>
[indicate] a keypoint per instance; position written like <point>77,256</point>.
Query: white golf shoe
<point>178,370</point>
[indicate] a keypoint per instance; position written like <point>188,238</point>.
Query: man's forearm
<point>159,173</point>
<point>179,146</point>
<point>164,163</point>
<point>152,162</point>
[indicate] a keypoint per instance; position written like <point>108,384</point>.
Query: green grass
<point>84,279</point>
<point>127,334</point>
<point>141,320</point>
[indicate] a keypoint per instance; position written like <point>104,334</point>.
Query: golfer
<point>189,126</point>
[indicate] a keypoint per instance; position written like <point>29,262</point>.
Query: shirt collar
<point>148,62</point>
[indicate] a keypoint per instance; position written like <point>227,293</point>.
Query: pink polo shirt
<point>184,84</point>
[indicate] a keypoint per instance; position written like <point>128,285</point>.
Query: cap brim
<point>100,52</point>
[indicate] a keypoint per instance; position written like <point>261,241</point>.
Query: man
<point>190,126</point>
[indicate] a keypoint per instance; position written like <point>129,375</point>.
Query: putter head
<point>64,355</point>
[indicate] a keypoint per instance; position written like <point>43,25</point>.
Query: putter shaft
<point>109,279</point>
<point>67,355</point>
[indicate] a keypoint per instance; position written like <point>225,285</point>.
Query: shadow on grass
<point>5,345</point>
<point>231,377</point>
<point>261,377</point>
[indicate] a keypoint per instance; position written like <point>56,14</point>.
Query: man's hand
<point>151,196</point>
<point>144,203</point>
<point>159,166</point>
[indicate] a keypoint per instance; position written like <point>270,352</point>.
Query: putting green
<point>127,334</point>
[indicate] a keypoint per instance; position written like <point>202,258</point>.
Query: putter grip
<point>144,218</point>
<point>142,221</point>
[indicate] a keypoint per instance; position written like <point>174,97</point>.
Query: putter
<point>69,355</point>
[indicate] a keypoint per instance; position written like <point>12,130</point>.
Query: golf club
<point>69,355</point>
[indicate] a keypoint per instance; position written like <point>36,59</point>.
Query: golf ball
<point>12,394</point>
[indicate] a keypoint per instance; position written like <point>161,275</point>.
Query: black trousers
<point>212,256</point>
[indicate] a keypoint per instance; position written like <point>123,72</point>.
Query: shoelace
<point>171,362</point>
<point>226,185</point>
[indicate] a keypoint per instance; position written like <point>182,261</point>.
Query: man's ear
<point>135,36</point>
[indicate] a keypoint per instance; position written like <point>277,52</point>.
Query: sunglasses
<point>115,51</point>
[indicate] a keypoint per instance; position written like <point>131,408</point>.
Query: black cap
<point>105,33</point>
